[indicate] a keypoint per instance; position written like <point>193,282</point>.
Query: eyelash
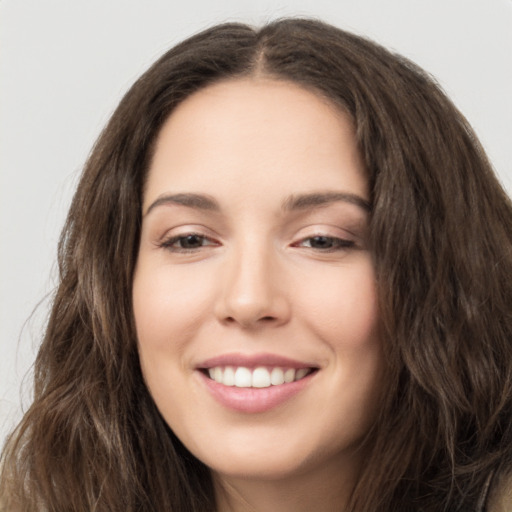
<point>169,243</point>
<point>335,243</point>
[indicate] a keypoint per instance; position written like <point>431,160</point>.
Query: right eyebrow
<point>200,201</point>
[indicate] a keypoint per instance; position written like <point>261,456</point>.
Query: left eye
<point>188,242</point>
<point>326,243</point>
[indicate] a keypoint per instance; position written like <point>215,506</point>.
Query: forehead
<point>248,132</point>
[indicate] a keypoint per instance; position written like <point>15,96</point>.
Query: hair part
<point>441,238</point>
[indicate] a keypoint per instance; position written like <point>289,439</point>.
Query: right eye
<point>188,242</point>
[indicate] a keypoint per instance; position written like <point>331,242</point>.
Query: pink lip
<point>254,400</point>
<point>253,360</point>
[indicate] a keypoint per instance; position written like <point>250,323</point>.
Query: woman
<point>284,286</point>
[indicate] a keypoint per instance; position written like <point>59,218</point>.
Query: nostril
<point>268,319</point>
<point>252,312</point>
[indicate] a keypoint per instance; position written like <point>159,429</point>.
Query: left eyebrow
<point>322,199</point>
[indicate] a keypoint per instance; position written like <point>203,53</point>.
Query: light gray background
<point>65,64</point>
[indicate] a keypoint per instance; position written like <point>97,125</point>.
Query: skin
<point>256,281</point>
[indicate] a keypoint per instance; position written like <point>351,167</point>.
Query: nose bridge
<point>251,291</point>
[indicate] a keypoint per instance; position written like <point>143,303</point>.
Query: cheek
<point>342,310</point>
<point>168,306</point>
<point>342,306</point>
<point>168,309</point>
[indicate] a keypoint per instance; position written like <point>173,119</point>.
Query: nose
<point>252,290</point>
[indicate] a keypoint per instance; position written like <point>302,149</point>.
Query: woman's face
<point>254,293</point>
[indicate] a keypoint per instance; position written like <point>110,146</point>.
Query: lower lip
<point>254,400</point>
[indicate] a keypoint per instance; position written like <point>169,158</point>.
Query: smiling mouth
<point>259,377</point>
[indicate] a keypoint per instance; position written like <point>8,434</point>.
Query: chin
<point>272,456</point>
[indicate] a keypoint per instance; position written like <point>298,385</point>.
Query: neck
<point>326,489</point>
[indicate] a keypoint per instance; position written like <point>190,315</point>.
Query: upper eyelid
<point>349,240</point>
<point>169,244</point>
<point>331,230</point>
<point>186,230</point>
<point>340,243</point>
<point>177,237</point>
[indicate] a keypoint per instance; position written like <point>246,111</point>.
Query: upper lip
<point>253,361</point>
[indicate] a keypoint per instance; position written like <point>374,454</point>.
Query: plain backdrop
<point>64,65</point>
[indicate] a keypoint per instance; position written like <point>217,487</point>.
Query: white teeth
<point>228,378</point>
<point>300,374</point>
<point>243,377</point>
<point>277,377</point>
<point>259,377</point>
<point>217,374</point>
<point>289,375</point>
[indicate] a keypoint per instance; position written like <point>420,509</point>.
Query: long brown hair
<point>441,236</point>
